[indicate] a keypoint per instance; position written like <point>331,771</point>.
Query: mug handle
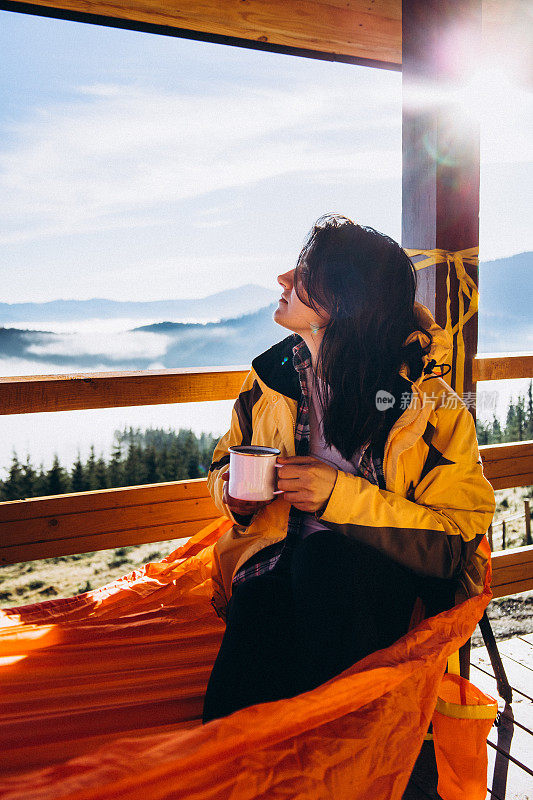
<point>278,491</point>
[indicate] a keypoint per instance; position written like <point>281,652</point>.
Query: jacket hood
<point>440,351</point>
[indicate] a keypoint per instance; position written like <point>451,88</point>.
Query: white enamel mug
<point>252,472</point>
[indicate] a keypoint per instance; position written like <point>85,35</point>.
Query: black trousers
<point>332,603</point>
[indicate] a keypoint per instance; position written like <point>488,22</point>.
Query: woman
<point>384,499</point>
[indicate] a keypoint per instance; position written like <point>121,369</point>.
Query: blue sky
<point>135,166</point>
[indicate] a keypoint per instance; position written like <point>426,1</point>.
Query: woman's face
<point>291,313</point>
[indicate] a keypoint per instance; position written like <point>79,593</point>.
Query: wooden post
<point>527,516</point>
<point>440,155</point>
<point>440,145</point>
<point>489,536</point>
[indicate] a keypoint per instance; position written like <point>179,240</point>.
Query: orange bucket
<point>462,720</point>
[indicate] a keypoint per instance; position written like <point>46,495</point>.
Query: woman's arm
<point>437,531</point>
<point>240,433</point>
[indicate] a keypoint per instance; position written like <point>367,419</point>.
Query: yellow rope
<point>467,289</point>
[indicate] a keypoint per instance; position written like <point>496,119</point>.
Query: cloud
<point>119,346</point>
<point>116,153</point>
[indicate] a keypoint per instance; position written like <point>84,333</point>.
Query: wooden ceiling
<point>366,31</point>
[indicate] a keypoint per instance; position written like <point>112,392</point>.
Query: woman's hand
<point>307,482</point>
<point>243,508</point>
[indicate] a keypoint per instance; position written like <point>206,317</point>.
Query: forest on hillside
<point>156,455</point>
<point>518,426</point>
<point>138,457</point>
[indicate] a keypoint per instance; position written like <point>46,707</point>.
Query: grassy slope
<point>64,576</point>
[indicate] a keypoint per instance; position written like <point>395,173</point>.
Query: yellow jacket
<point>437,504</point>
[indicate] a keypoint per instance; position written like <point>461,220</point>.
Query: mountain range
<point>244,325</point>
<point>229,303</point>
<point>506,304</point>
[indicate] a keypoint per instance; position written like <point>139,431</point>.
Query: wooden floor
<point>510,746</point>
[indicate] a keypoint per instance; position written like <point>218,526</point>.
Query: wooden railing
<point>42,527</point>
<point>508,465</point>
<point>73,523</point>
<point>512,571</point>
<point>30,394</point>
<point>502,366</point>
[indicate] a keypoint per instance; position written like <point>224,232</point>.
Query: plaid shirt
<point>370,467</point>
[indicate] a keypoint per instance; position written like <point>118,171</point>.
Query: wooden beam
<point>370,31</point>
<point>36,393</point>
<point>512,571</point>
<point>43,527</point>
<point>502,366</point>
<point>508,465</point>
<point>440,145</point>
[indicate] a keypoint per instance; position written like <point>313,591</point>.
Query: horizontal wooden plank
<point>74,392</point>
<point>57,505</point>
<point>104,541</point>
<point>523,479</point>
<point>502,366</point>
<point>512,571</point>
<point>508,465</point>
<point>507,589</point>
<point>508,558</point>
<point>100,520</point>
<point>496,453</point>
<point>75,523</point>
<point>359,29</point>
<point>512,575</point>
<point>45,529</point>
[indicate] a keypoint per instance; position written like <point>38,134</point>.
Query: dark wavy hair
<point>366,283</point>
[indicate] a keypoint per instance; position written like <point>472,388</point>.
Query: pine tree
<point>152,473</point>
<point>12,489</point>
<point>28,479</point>
<point>163,464</point>
<point>77,476</point>
<point>100,474</point>
<point>133,466</point>
<point>57,480</point>
<point>510,423</point>
<point>529,419</point>
<point>90,470</point>
<point>192,455</point>
<point>520,419</point>
<point>496,430</point>
<point>177,468</point>
<point>115,469</point>
<point>13,484</point>
<point>41,483</point>
<point>482,432</point>
<point>207,445</point>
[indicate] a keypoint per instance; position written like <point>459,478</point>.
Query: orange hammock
<point>102,696</point>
